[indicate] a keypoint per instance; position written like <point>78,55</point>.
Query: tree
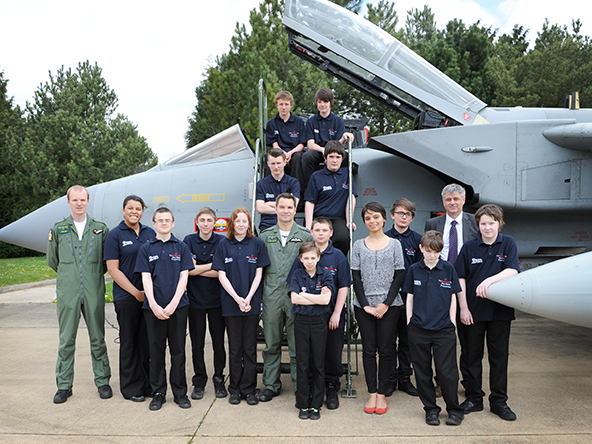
<point>71,135</point>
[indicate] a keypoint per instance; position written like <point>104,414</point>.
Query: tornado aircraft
<point>536,163</point>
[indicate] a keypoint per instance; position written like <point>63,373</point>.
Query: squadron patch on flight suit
<point>97,231</point>
<point>63,229</point>
<point>272,239</point>
<point>295,239</point>
<point>50,236</point>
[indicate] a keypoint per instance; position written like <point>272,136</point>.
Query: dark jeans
<point>171,330</point>
<point>310,334</point>
<point>333,357</point>
<point>197,332</point>
<point>242,353</point>
<point>134,356</point>
<point>377,335</point>
<point>497,334</point>
<point>441,344</point>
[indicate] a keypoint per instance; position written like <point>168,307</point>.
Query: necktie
<point>453,243</point>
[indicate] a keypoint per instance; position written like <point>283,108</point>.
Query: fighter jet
<point>535,163</point>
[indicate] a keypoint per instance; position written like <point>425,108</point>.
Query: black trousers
<point>442,345</point>
<point>461,331</point>
<point>497,334</point>
<point>134,356</point>
<point>333,357</point>
<point>310,336</point>
<point>402,360</point>
<point>242,353</point>
<point>377,336</point>
<point>310,161</point>
<point>197,332</point>
<point>340,236</point>
<point>173,331</point>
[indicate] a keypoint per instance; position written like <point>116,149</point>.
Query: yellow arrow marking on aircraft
<point>216,197</point>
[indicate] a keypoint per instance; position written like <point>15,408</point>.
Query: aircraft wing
<point>368,58</point>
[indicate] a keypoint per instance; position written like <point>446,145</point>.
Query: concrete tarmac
<point>550,389</point>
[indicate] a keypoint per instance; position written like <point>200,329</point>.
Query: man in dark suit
<point>457,228</point>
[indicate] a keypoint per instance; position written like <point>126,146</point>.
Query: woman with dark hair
<point>240,259</point>
<point>121,249</point>
<point>377,270</point>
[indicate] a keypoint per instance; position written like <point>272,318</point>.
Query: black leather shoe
<point>252,399</point>
<point>405,385</point>
<point>392,387</point>
<point>105,392</point>
<point>235,398</point>
<point>220,390</point>
<point>303,414</point>
<point>62,396</point>
<point>433,418</point>
<point>504,412</point>
<point>454,418</point>
<point>267,395</point>
<point>157,401</point>
<point>138,398</point>
<point>332,398</point>
<point>469,406</point>
<point>314,414</point>
<point>183,402</point>
<point>197,393</point>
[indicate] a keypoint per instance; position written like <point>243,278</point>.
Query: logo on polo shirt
<point>476,260</point>
<point>410,252</point>
<point>175,257</point>
<point>252,259</point>
<point>319,287</point>
<point>152,258</point>
<point>327,188</point>
<point>417,282</point>
<point>275,132</point>
<point>316,131</point>
<point>304,289</point>
<point>332,132</point>
<point>501,258</point>
<point>126,243</point>
<point>270,196</point>
<point>344,186</point>
<point>294,134</point>
<point>228,260</point>
<point>332,270</point>
<point>445,284</point>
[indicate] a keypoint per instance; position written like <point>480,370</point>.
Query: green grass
<point>23,270</point>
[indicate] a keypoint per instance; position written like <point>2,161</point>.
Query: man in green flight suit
<point>283,241</point>
<point>75,252</point>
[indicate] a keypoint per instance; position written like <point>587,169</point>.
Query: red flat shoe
<point>370,409</point>
<point>381,411</point>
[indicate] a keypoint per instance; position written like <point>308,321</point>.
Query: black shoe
<point>197,393</point>
<point>138,398</point>
<point>220,390</point>
<point>405,385</point>
<point>235,398</point>
<point>469,406</point>
<point>314,414</point>
<point>62,396</point>
<point>183,402</point>
<point>454,418</point>
<point>105,392</point>
<point>503,411</point>
<point>433,418</point>
<point>303,414</point>
<point>267,395</point>
<point>392,387</point>
<point>332,398</point>
<point>252,399</point>
<point>157,401</point>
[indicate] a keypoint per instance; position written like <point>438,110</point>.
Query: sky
<point>154,54</point>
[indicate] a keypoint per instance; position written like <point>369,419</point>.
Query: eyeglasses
<point>403,213</point>
<point>163,221</point>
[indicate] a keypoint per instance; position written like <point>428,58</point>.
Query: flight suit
<point>277,304</point>
<point>80,288</point>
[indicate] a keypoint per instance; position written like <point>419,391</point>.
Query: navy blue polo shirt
<point>302,281</point>
<point>123,244</point>
<point>268,189</point>
<point>240,261</point>
<point>432,292</point>
<point>476,262</point>
<point>335,262</point>
<point>324,129</point>
<point>410,241</point>
<point>287,134</point>
<point>329,191</point>
<point>164,261</point>
<point>203,292</point>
